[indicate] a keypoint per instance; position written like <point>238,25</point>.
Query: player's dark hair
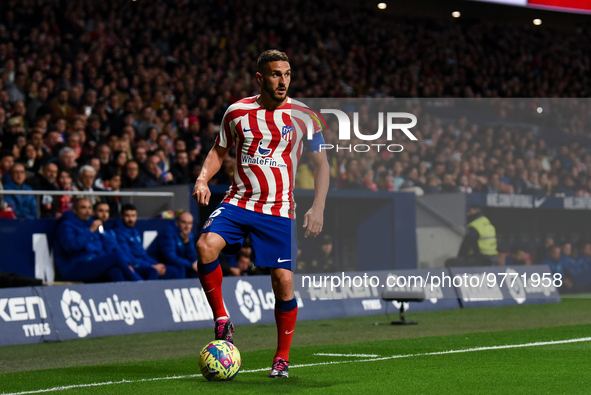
<point>271,55</point>
<point>127,207</point>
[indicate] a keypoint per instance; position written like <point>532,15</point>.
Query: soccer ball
<point>219,361</point>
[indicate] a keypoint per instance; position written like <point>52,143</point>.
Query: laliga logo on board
<point>78,315</point>
<point>251,302</point>
<point>516,289</point>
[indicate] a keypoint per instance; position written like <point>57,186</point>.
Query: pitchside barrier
<point>55,313</point>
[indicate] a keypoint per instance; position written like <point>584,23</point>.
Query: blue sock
<point>206,268</point>
<point>286,305</point>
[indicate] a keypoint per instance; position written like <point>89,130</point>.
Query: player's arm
<point>314,218</point>
<point>211,166</point>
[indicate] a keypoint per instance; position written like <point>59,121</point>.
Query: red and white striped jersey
<point>269,144</point>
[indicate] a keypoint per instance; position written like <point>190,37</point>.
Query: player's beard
<point>271,92</point>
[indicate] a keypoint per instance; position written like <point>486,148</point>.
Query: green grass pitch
<point>548,351</point>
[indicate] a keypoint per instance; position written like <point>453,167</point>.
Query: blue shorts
<point>273,238</point>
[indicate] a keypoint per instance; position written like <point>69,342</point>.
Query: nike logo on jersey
<point>209,291</point>
<point>250,130</point>
<point>279,260</point>
<point>290,332</point>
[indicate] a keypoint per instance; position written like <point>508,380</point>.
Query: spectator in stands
<point>140,155</point>
<point>130,240</point>
<point>5,210</point>
<point>412,181</point>
<point>145,123</point>
<point>156,176</point>
<point>351,178</point>
<point>67,160</point>
<point>521,184</point>
<point>180,168</point>
<point>111,243</point>
<point>433,184</point>
<point>566,187</point>
<point>14,130</point>
<point>24,206</point>
<point>493,185</point>
<point>60,108</point>
<point>111,182</point>
<point>79,253</point>
<point>46,180</point>
<point>29,159</point>
<point>36,103</point>
<point>66,201</point>
<point>16,89</point>
<point>73,141</point>
<point>85,183</point>
<point>103,152</point>
<point>118,164</point>
<point>464,184</point>
<point>367,180</point>
<point>35,138</point>
<point>176,246</point>
<point>133,177</point>
<point>448,184</point>
<point>6,162</point>
<point>51,145</point>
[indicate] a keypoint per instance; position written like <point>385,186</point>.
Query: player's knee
<point>206,249</point>
<point>283,281</point>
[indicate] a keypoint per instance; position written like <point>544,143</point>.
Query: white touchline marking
<point>325,354</point>
<point>548,343</point>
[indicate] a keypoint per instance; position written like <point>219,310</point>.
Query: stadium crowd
<point>117,94</point>
<point>124,94</point>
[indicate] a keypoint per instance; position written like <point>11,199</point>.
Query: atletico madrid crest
<point>286,133</point>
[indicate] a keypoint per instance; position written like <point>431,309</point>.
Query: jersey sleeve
<point>314,144</point>
<point>225,137</point>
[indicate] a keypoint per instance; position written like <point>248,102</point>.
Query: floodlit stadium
<point>311,197</point>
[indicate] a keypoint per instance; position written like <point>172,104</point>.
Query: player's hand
<point>160,268</point>
<point>313,221</point>
<point>95,225</point>
<point>201,192</point>
<point>131,268</point>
